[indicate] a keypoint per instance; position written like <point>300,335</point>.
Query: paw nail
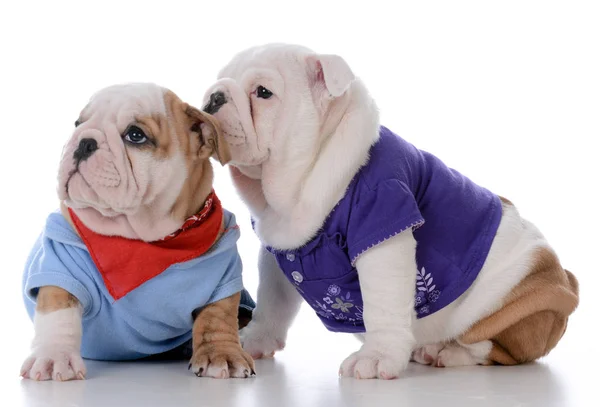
<point>59,377</point>
<point>253,372</point>
<point>189,366</point>
<point>38,376</point>
<point>80,376</point>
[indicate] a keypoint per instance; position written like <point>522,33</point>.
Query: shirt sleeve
<point>60,265</point>
<point>231,282</point>
<point>379,214</point>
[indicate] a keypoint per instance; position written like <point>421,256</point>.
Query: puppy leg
<point>56,346</point>
<point>387,275</point>
<point>277,304</point>
<point>534,316</point>
<point>215,340</point>
<point>427,355</point>
<point>455,354</point>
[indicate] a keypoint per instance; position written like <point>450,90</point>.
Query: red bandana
<point>125,264</point>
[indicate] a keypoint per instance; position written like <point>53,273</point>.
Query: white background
<point>507,92</point>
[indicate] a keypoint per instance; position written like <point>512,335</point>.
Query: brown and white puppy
<point>300,128</point>
<point>136,168</point>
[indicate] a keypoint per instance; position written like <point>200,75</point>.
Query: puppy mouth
<point>71,173</point>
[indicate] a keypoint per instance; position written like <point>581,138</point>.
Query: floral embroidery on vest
<point>426,291</point>
<point>331,307</point>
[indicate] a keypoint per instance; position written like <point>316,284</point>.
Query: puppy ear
<point>211,137</point>
<point>330,72</point>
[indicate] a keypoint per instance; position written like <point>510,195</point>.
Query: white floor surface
<point>305,374</point>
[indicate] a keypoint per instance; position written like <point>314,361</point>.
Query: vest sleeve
<point>57,264</point>
<point>379,214</point>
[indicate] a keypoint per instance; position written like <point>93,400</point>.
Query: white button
<point>290,256</point>
<point>297,276</point>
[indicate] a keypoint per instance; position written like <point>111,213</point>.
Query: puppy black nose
<point>86,148</point>
<point>215,102</point>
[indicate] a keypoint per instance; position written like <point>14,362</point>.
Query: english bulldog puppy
<point>141,260</point>
<point>380,238</point>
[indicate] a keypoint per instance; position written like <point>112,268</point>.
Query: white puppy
<point>377,236</point>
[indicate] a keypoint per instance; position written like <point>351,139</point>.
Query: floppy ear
<point>211,137</point>
<point>330,72</point>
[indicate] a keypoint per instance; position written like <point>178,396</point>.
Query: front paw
<point>221,361</point>
<point>54,363</point>
<point>374,364</point>
<point>260,342</point>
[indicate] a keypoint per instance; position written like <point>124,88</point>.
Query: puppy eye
<point>77,123</point>
<point>263,93</point>
<point>135,135</point>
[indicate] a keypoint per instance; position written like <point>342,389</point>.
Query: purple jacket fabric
<point>454,222</point>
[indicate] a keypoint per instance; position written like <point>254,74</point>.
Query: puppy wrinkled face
<point>136,159</point>
<point>121,154</point>
<point>263,96</point>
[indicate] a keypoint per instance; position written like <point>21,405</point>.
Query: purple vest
<point>454,222</point>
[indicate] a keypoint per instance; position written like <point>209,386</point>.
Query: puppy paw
<point>427,355</point>
<point>374,364</point>
<point>261,342</point>
<point>454,355</point>
<point>221,361</point>
<point>54,363</point>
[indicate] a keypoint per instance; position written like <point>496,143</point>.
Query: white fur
<point>387,280</point>
<point>295,164</point>
<point>453,354</point>
<point>302,138</point>
<point>56,346</point>
<point>267,331</point>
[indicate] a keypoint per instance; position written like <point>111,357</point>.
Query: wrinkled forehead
<point>123,103</point>
<point>278,57</point>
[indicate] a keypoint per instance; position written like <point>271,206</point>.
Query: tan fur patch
<point>175,133</point>
<point>215,334</point>
<point>505,201</point>
<point>198,183</point>
<point>157,128</point>
<point>51,298</point>
<point>534,315</point>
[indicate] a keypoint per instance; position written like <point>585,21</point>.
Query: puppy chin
<point>90,208</point>
<point>78,196</point>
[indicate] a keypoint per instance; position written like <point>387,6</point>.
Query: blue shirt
<point>401,187</point>
<point>153,318</point>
